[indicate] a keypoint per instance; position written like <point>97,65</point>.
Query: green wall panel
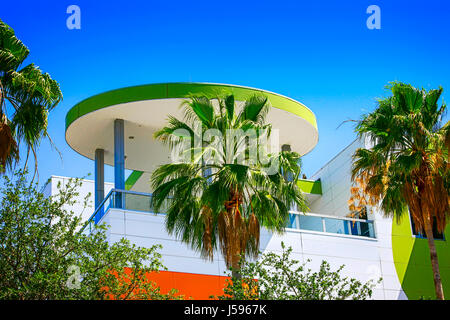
<point>412,261</point>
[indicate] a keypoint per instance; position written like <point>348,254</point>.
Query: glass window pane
<point>137,202</point>
<point>336,226</point>
<point>354,228</point>
<point>292,221</point>
<point>366,229</point>
<point>311,223</point>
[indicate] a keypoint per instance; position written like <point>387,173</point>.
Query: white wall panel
<point>193,265</point>
<point>386,254</point>
<point>326,246</point>
<point>273,242</point>
<point>87,188</point>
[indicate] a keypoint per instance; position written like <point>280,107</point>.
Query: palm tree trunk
<point>434,260</point>
<point>1,98</point>
<point>235,234</point>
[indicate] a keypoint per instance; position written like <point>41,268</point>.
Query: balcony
<point>298,221</point>
<point>332,225</point>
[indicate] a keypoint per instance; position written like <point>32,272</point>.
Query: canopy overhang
<point>145,109</point>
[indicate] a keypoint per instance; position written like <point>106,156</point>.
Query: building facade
<point>370,248</point>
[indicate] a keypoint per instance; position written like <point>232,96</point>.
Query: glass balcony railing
<point>328,224</point>
<point>137,201</point>
<point>121,199</point>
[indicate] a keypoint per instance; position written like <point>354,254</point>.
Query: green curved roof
<point>183,90</point>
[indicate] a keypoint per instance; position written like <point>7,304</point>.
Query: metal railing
<point>138,201</point>
<point>120,199</point>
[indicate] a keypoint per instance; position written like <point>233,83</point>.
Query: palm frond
<point>12,51</point>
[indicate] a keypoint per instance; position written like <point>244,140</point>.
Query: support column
<point>119,160</point>
<point>99,176</point>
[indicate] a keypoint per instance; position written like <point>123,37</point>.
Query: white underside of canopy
<point>142,118</point>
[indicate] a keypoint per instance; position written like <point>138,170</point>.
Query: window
<point>436,234</point>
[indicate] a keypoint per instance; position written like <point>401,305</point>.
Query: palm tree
<point>26,97</point>
<point>223,203</point>
<point>408,163</point>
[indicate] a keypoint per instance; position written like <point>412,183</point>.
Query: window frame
<point>418,235</point>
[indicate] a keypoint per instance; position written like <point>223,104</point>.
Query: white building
<point>369,248</point>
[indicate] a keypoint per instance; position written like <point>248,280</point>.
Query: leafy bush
<point>44,254</point>
<point>278,277</point>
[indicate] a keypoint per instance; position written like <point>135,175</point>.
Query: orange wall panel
<point>191,285</point>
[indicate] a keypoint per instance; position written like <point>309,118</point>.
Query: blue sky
<point>318,52</point>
